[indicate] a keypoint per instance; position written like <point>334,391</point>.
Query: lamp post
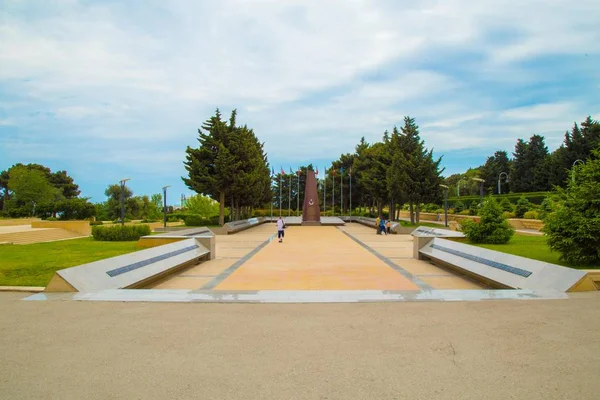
<point>480,186</point>
<point>573,169</point>
<point>123,200</point>
<point>445,204</point>
<point>499,178</point>
<point>165,204</point>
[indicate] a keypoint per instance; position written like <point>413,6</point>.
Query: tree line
<point>532,168</point>
<point>398,170</point>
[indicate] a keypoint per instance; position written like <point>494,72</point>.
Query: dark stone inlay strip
<point>485,261</point>
<point>225,274</point>
<point>121,270</point>
<point>390,263</point>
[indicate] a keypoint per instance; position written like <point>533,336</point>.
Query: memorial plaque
<point>311,211</point>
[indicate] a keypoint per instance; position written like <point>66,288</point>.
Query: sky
<point>108,90</point>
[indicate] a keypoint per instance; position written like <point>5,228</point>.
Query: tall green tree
<point>29,187</point>
<point>421,177</point>
<point>573,228</point>
<point>530,167</point>
<point>229,165</point>
<point>491,170</point>
<point>113,204</point>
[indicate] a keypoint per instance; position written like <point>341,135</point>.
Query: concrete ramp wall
<point>129,270</point>
<point>505,270</point>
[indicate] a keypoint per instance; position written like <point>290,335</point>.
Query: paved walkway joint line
<point>422,285</point>
<point>225,274</point>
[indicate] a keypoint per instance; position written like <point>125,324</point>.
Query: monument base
<point>311,223</point>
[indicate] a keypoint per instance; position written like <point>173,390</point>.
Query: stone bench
<point>238,226</point>
<point>131,270</point>
<point>395,227</point>
<point>203,234</point>
<point>501,270</point>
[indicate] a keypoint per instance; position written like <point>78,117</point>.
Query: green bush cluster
<point>119,233</point>
<point>197,220</point>
<point>93,223</point>
<point>533,214</point>
<point>523,205</point>
<point>492,227</point>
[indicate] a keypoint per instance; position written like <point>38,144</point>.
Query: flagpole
<point>333,195</point>
<point>290,197</point>
<point>324,189</point>
<point>298,195</point>
<point>341,192</point>
<point>280,200</point>
<point>271,198</point>
<point>350,192</point>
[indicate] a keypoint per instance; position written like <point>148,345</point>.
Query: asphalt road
<point>478,350</point>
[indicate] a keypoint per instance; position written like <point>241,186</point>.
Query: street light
<point>500,177</point>
<point>573,169</point>
<point>446,188</point>
<point>480,186</point>
<point>165,203</point>
<point>123,200</point>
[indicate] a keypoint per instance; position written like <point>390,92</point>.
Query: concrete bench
<point>131,270</point>
<point>395,227</point>
<point>501,270</point>
<point>203,234</point>
<point>237,226</point>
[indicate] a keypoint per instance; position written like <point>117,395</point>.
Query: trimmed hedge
<point>119,233</point>
<point>197,220</point>
<point>533,197</point>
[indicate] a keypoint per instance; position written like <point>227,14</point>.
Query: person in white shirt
<point>280,229</point>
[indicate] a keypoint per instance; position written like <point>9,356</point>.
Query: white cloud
<point>103,75</point>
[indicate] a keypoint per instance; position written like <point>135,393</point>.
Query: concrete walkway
<point>351,257</point>
<point>484,350</point>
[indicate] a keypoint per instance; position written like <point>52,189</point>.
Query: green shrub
<point>439,211</point>
<point>546,207</point>
<point>573,228</point>
<point>531,215</point>
<point>508,214</point>
<point>430,207</point>
<point>119,233</point>
<point>492,227</point>
<point>465,212</point>
<point>93,223</point>
<point>118,221</point>
<point>197,220</point>
<point>523,205</point>
<point>506,204</point>
<point>474,208</point>
<point>459,206</point>
<point>51,219</point>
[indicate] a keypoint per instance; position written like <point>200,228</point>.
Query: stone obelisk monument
<point>311,213</point>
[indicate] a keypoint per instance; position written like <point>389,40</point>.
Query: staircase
<point>37,236</point>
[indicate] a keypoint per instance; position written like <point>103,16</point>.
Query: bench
<point>237,226</point>
<point>395,227</point>
<point>131,270</point>
<point>501,270</point>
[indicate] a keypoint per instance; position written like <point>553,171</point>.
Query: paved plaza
<point>548,349</point>
<point>350,257</point>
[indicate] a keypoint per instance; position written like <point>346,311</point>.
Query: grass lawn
<point>34,264</point>
<point>423,223</point>
<point>532,247</point>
